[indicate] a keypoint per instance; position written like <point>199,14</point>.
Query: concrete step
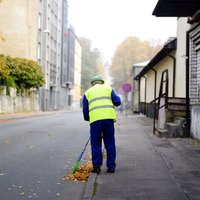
<point>173,129</point>
<point>180,121</point>
<point>176,104</point>
<point>162,132</point>
<point>176,107</point>
<point>177,100</point>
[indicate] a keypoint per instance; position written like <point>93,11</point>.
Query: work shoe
<point>96,170</point>
<point>111,170</point>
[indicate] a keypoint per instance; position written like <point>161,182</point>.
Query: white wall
<point>166,63</point>
<point>182,27</point>
<point>150,86</point>
<point>142,89</point>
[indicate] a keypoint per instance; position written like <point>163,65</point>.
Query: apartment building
<point>38,30</point>
<point>77,76</point>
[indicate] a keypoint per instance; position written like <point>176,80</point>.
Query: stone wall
<point>194,67</point>
<point>195,122</point>
<point>18,104</point>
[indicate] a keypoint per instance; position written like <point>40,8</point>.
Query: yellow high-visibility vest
<point>100,103</point>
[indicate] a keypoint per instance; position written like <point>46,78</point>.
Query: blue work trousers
<point>103,129</point>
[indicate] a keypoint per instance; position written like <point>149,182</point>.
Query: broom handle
<point>80,156</point>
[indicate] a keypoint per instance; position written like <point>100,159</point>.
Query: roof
<point>141,64</point>
<point>166,50</point>
<point>176,8</point>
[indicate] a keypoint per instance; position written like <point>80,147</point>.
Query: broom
<point>79,158</point>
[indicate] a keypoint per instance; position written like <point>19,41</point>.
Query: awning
<point>176,8</point>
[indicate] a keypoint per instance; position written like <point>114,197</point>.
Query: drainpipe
<point>155,82</point>
<point>145,93</point>
<point>138,80</point>
<point>187,122</point>
<point>154,112</point>
<point>174,74</point>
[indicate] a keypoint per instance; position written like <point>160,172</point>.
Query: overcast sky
<point>108,22</point>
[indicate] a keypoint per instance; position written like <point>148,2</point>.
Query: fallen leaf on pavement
<point>50,135</point>
<point>192,141</point>
<point>82,173</point>
<point>39,182</point>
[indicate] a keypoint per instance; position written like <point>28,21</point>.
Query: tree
<point>131,50</point>
<point>4,69</point>
<point>91,63</point>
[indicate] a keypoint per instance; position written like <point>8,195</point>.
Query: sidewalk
<point>148,167</point>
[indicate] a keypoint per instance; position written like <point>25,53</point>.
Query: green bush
<point>9,83</point>
<point>20,73</point>
<point>4,69</point>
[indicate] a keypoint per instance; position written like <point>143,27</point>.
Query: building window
<point>39,21</point>
<point>48,53</point>
<point>39,51</point>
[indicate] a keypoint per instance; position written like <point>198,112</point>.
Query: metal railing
<point>163,93</point>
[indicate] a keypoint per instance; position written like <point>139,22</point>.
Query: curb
<point>89,190</point>
<point>18,116</point>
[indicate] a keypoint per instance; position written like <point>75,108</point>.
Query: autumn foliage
<point>131,51</point>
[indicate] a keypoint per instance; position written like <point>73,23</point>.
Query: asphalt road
<point>36,153</point>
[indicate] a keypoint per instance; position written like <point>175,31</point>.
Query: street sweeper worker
<point>98,109</point>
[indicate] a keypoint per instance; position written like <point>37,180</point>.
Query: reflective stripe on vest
<point>97,107</point>
<point>99,98</point>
